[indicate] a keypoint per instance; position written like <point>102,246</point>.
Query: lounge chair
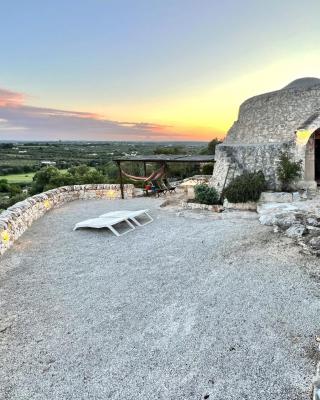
<point>132,215</point>
<point>169,187</point>
<point>156,188</point>
<point>162,186</point>
<point>108,222</point>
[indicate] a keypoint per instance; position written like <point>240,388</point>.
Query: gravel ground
<point>187,307</point>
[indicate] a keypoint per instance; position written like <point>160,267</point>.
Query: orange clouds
<point>26,122</point>
<point>11,99</point>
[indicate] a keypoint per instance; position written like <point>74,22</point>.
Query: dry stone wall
<point>16,219</point>
<point>233,160</point>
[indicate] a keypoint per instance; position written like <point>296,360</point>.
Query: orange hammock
<point>155,175</point>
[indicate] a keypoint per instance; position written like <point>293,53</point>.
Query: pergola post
<point>121,181</point>
<point>165,169</point>
<point>144,168</point>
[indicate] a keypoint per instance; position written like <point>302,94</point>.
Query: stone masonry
<point>16,219</point>
<point>284,120</point>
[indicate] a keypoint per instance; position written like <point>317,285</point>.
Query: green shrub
<point>4,186</point>
<point>205,194</point>
<point>246,187</point>
<point>288,171</point>
<point>14,189</point>
<point>5,203</point>
<point>50,177</point>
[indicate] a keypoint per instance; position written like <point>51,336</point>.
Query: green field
<point>19,178</point>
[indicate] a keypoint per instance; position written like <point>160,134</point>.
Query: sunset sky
<point>146,69</point>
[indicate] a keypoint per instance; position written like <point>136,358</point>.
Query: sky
<point>146,69</point>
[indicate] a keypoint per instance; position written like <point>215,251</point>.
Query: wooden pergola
<point>161,159</point>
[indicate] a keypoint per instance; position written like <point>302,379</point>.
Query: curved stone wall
<point>16,219</point>
<point>274,117</point>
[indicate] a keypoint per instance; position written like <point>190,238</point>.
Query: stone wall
<point>284,120</point>
<point>233,160</point>
<point>276,116</point>
<point>16,219</point>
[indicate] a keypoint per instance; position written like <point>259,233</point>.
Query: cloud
<point>145,125</point>
<point>19,121</point>
<point>6,126</point>
<point>11,99</point>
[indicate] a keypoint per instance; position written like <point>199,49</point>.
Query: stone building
<point>284,120</point>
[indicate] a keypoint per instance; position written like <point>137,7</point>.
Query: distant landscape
<point>31,167</point>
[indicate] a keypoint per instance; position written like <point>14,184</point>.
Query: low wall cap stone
<point>276,197</point>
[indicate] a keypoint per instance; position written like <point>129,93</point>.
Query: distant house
<point>44,163</point>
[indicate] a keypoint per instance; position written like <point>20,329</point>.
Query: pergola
<point>161,159</point>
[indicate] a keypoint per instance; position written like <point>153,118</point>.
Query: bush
<point>5,202</point>
<point>246,187</point>
<point>288,171</point>
<point>205,194</point>
<point>207,169</point>
<point>14,190</point>
<point>4,186</point>
<point>44,177</point>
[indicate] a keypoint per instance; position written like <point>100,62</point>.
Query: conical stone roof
<point>275,117</point>
<point>303,83</point>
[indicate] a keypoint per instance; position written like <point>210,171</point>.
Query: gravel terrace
<point>187,307</point>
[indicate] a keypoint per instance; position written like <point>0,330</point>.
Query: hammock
<point>154,175</point>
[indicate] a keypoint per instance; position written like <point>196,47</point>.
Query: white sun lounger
<point>129,215</point>
<point>101,222</point>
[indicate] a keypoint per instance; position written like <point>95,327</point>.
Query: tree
<point>111,171</point>
<point>43,178</point>
<point>4,186</point>
<point>211,147</point>
<point>6,145</point>
<point>50,177</point>
<point>169,150</point>
<point>14,190</point>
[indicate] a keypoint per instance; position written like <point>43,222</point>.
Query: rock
<point>296,231</point>
<point>276,208</point>
<point>314,243</point>
<point>296,196</point>
<point>299,220</point>
<point>250,205</point>
<point>284,221</point>
<point>313,221</point>
<point>276,197</point>
<point>267,219</point>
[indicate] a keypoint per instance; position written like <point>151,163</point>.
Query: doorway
<point>317,156</point>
